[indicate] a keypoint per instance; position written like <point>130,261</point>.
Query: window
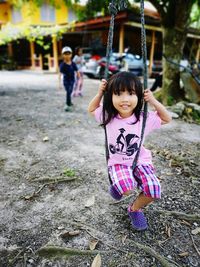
<point>71,16</point>
<point>47,13</point>
<point>16,15</point>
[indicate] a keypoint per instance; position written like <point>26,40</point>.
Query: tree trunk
<point>174,20</point>
<point>173,43</point>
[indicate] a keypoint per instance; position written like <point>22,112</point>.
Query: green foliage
<point>195,16</point>
<point>195,116</point>
<point>11,33</point>
<point>170,100</point>
<point>69,172</point>
<point>94,7</point>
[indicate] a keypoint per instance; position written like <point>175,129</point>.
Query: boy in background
<point>68,69</point>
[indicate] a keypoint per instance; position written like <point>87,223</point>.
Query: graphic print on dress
<point>125,144</point>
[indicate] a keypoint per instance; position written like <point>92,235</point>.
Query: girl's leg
<point>148,182</point>
<point>74,88</point>
<point>140,202</point>
<point>80,84</point>
<point>122,183</point>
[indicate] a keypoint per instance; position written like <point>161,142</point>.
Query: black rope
<point>114,7</point>
<point>145,79</point>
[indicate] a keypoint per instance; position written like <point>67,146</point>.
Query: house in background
<point>57,27</point>
<point>44,52</point>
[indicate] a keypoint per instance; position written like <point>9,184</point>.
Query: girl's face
<point>80,52</point>
<point>125,103</point>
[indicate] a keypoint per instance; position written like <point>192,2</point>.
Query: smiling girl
<point>121,114</point>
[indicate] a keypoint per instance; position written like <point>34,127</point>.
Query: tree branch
<point>198,252</point>
<point>180,215</point>
<point>152,252</point>
<point>165,262</point>
<point>55,251</point>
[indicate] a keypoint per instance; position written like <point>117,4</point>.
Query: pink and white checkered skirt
<point>124,179</point>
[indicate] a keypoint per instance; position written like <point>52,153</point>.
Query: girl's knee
<point>152,198</point>
<point>127,193</point>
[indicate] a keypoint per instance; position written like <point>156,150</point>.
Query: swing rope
<point>114,7</point>
<point>145,79</point>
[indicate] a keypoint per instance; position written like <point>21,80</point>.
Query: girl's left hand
<point>149,97</point>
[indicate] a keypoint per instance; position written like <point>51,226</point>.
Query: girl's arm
<point>78,75</point>
<point>95,102</point>
<point>162,111</point>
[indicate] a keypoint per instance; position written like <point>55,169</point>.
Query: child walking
<point>121,114</point>
<point>68,69</point>
<point>79,61</point>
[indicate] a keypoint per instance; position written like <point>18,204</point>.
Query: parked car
<point>96,68</point>
<point>130,62</point>
<point>87,53</point>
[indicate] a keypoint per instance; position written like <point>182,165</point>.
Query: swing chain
<point>116,6</point>
<point>113,8</point>
<point>145,79</point>
<point>143,45</point>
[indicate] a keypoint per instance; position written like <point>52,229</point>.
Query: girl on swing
<point>123,99</point>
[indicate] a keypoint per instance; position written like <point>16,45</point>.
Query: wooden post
<point>121,39</point>
<point>152,52</point>
<point>55,53</point>
<point>40,62</point>
<point>198,53</point>
<point>32,50</point>
<point>10,50</point>
<point>59,46</point>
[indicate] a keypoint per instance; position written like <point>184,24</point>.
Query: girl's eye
<point>117,93</point>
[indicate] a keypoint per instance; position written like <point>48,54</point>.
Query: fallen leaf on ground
<point>196,231</point>
<point>186,223</point>
<point>90,202</point>
<point>168,231</point>
<point>69,234</point>
<point>97,261</point>
<point>93,243</point>
<point>184,254</point>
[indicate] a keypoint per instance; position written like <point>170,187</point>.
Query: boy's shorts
<point>124,179</point>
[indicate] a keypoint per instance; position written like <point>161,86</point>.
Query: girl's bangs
<point>122,85</point>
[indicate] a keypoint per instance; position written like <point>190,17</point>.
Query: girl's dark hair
<point>77,49</point>
<point>119,83</point>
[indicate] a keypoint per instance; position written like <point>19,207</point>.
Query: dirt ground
<point>54,185</point>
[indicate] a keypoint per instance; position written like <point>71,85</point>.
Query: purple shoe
<point>138,220</point>
<point>114,193</point>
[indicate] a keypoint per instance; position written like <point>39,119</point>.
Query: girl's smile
<point>125,103</point>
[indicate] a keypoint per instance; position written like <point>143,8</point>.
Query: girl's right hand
<point>102,86</point>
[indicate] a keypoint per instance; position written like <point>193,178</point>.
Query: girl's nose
<point>125,97</point>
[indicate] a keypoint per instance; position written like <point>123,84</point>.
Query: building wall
<point>32,14</point>
<point>4,12</point>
